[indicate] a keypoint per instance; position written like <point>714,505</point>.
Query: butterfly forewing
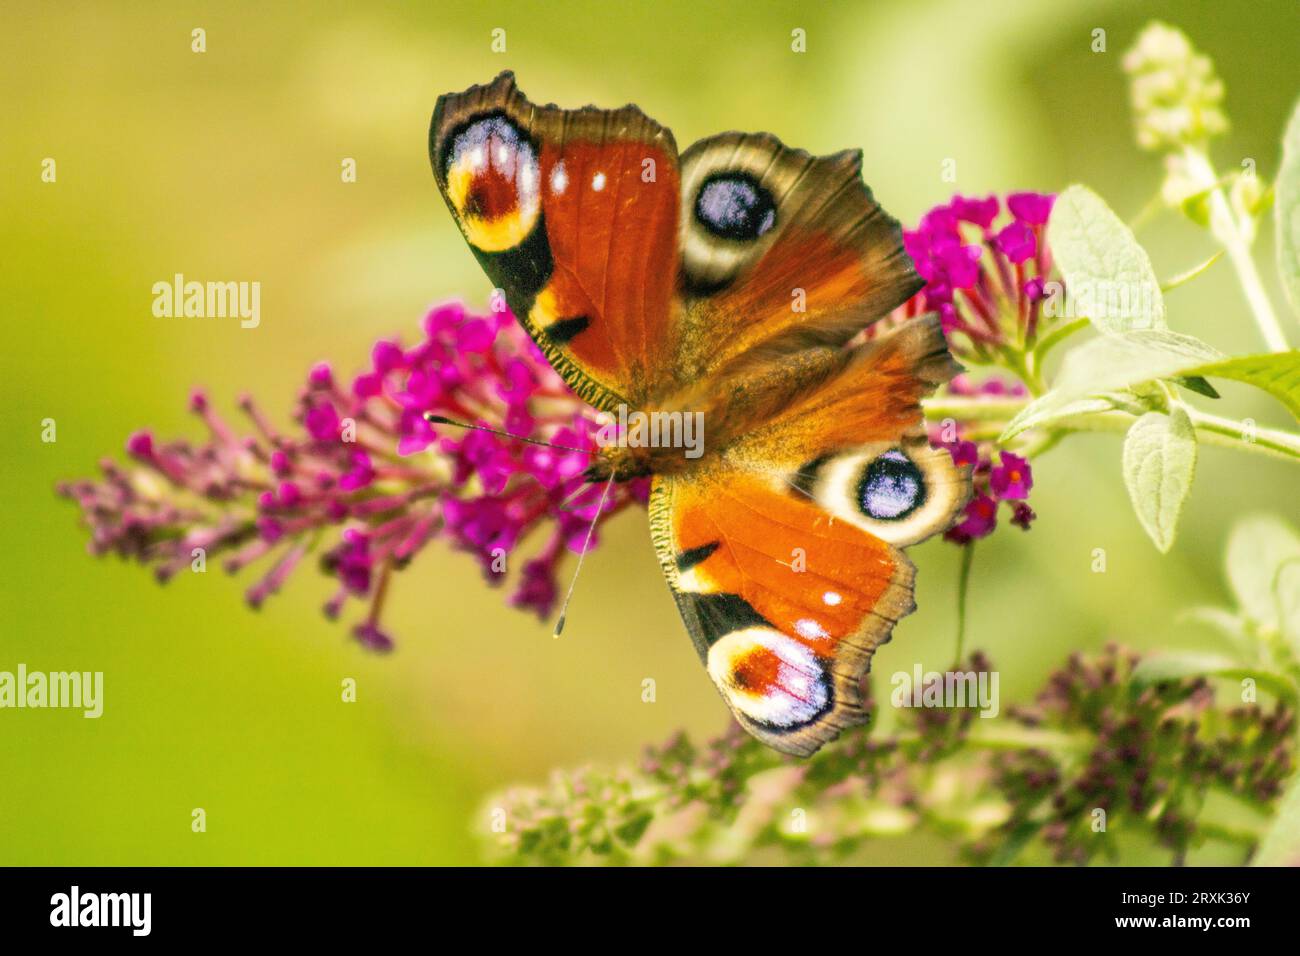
<point>573,213</point>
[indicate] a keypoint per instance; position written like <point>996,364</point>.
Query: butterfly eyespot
<point>734,206</point>
<point>493,182</point>
<point>770,678</point>
<point>891,488</point>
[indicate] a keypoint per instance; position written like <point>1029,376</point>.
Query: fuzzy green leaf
<point>1156,668</point>
<point>1232,627</point>
<point>1286,591</point>
<point>1287,211</point>
<point>1281,844</point>
<point>1177,665</point>
<point>1277,373</point>
<point>1159,464</point>
<point>1257,548</point>
<point>1108,275</point>
<point>1041,413</point>
<point>1111,363</point>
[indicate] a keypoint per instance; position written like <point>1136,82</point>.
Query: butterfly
<point>726,285</point>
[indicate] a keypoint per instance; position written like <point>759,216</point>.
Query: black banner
<point>332,906</point>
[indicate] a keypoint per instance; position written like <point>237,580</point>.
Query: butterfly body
<point>717,298</point>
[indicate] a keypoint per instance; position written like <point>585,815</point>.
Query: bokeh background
<point>226,165</point>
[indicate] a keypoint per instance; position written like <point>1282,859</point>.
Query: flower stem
<point>971,409</point>
<point>963,585</point>
<point>1225,228</point>
<point>1058,335</point>
<point>1211,429</point>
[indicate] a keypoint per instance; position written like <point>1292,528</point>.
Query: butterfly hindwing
<point>573,213</point>
<point>784,554</point>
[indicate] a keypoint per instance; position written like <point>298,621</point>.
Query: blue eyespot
<point>891,487</point>
<point>734,206</point>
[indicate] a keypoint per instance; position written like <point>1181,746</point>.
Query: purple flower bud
<point>1031,208</point>
<point>386,356</point>
<point>372,638</point>
<point>1016,241</point>
<point>322,422</point>
<point>289,494</point>
<point>321,375</point>
<point>981,212</point>
<point>140,444</point>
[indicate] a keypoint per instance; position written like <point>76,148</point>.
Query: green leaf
<point>1159,464</point>
<point>1111,363</point>
<point>1108,276</point>
<point>1286,592</point>
<point>1231,626</point>
<point>1177,665</point>
<point>1156,668</point>
<point>1194,383</point>
<point>1020,837</point>
<point>1190,274</point>
<point>1277,373</point>
<point>1281,844</point>
<point>1287,211</point>
<point>1041,413</point>
<point>1257,548</point>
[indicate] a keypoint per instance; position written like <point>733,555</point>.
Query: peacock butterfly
<point>729,284</point>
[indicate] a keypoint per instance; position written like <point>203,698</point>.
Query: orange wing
<point>573,213</point>
<point>784,553</point>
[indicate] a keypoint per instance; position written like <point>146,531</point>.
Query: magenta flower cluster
<point>366,482</point>
<point>985,269</point>
<point>997,475</point>
<point>986,265</point>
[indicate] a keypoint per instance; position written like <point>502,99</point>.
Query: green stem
<point>1225,228</point>
<point>987,735</point>
<point>1058,335</point>
<point>963,585</point>
<point>1228,433</point>
<point>970,409</point>
<point>999,734</point>
<point>1210,429</point>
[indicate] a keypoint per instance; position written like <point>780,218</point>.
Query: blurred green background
<point>225,165</point>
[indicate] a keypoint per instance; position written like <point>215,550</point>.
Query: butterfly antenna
<point>600,508</point>
<point>433,419</point>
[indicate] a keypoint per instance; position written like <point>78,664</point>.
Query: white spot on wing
<point>598,182</point>
<point>831,598</point>
<point>809,628</point>
<point>559,179</point>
